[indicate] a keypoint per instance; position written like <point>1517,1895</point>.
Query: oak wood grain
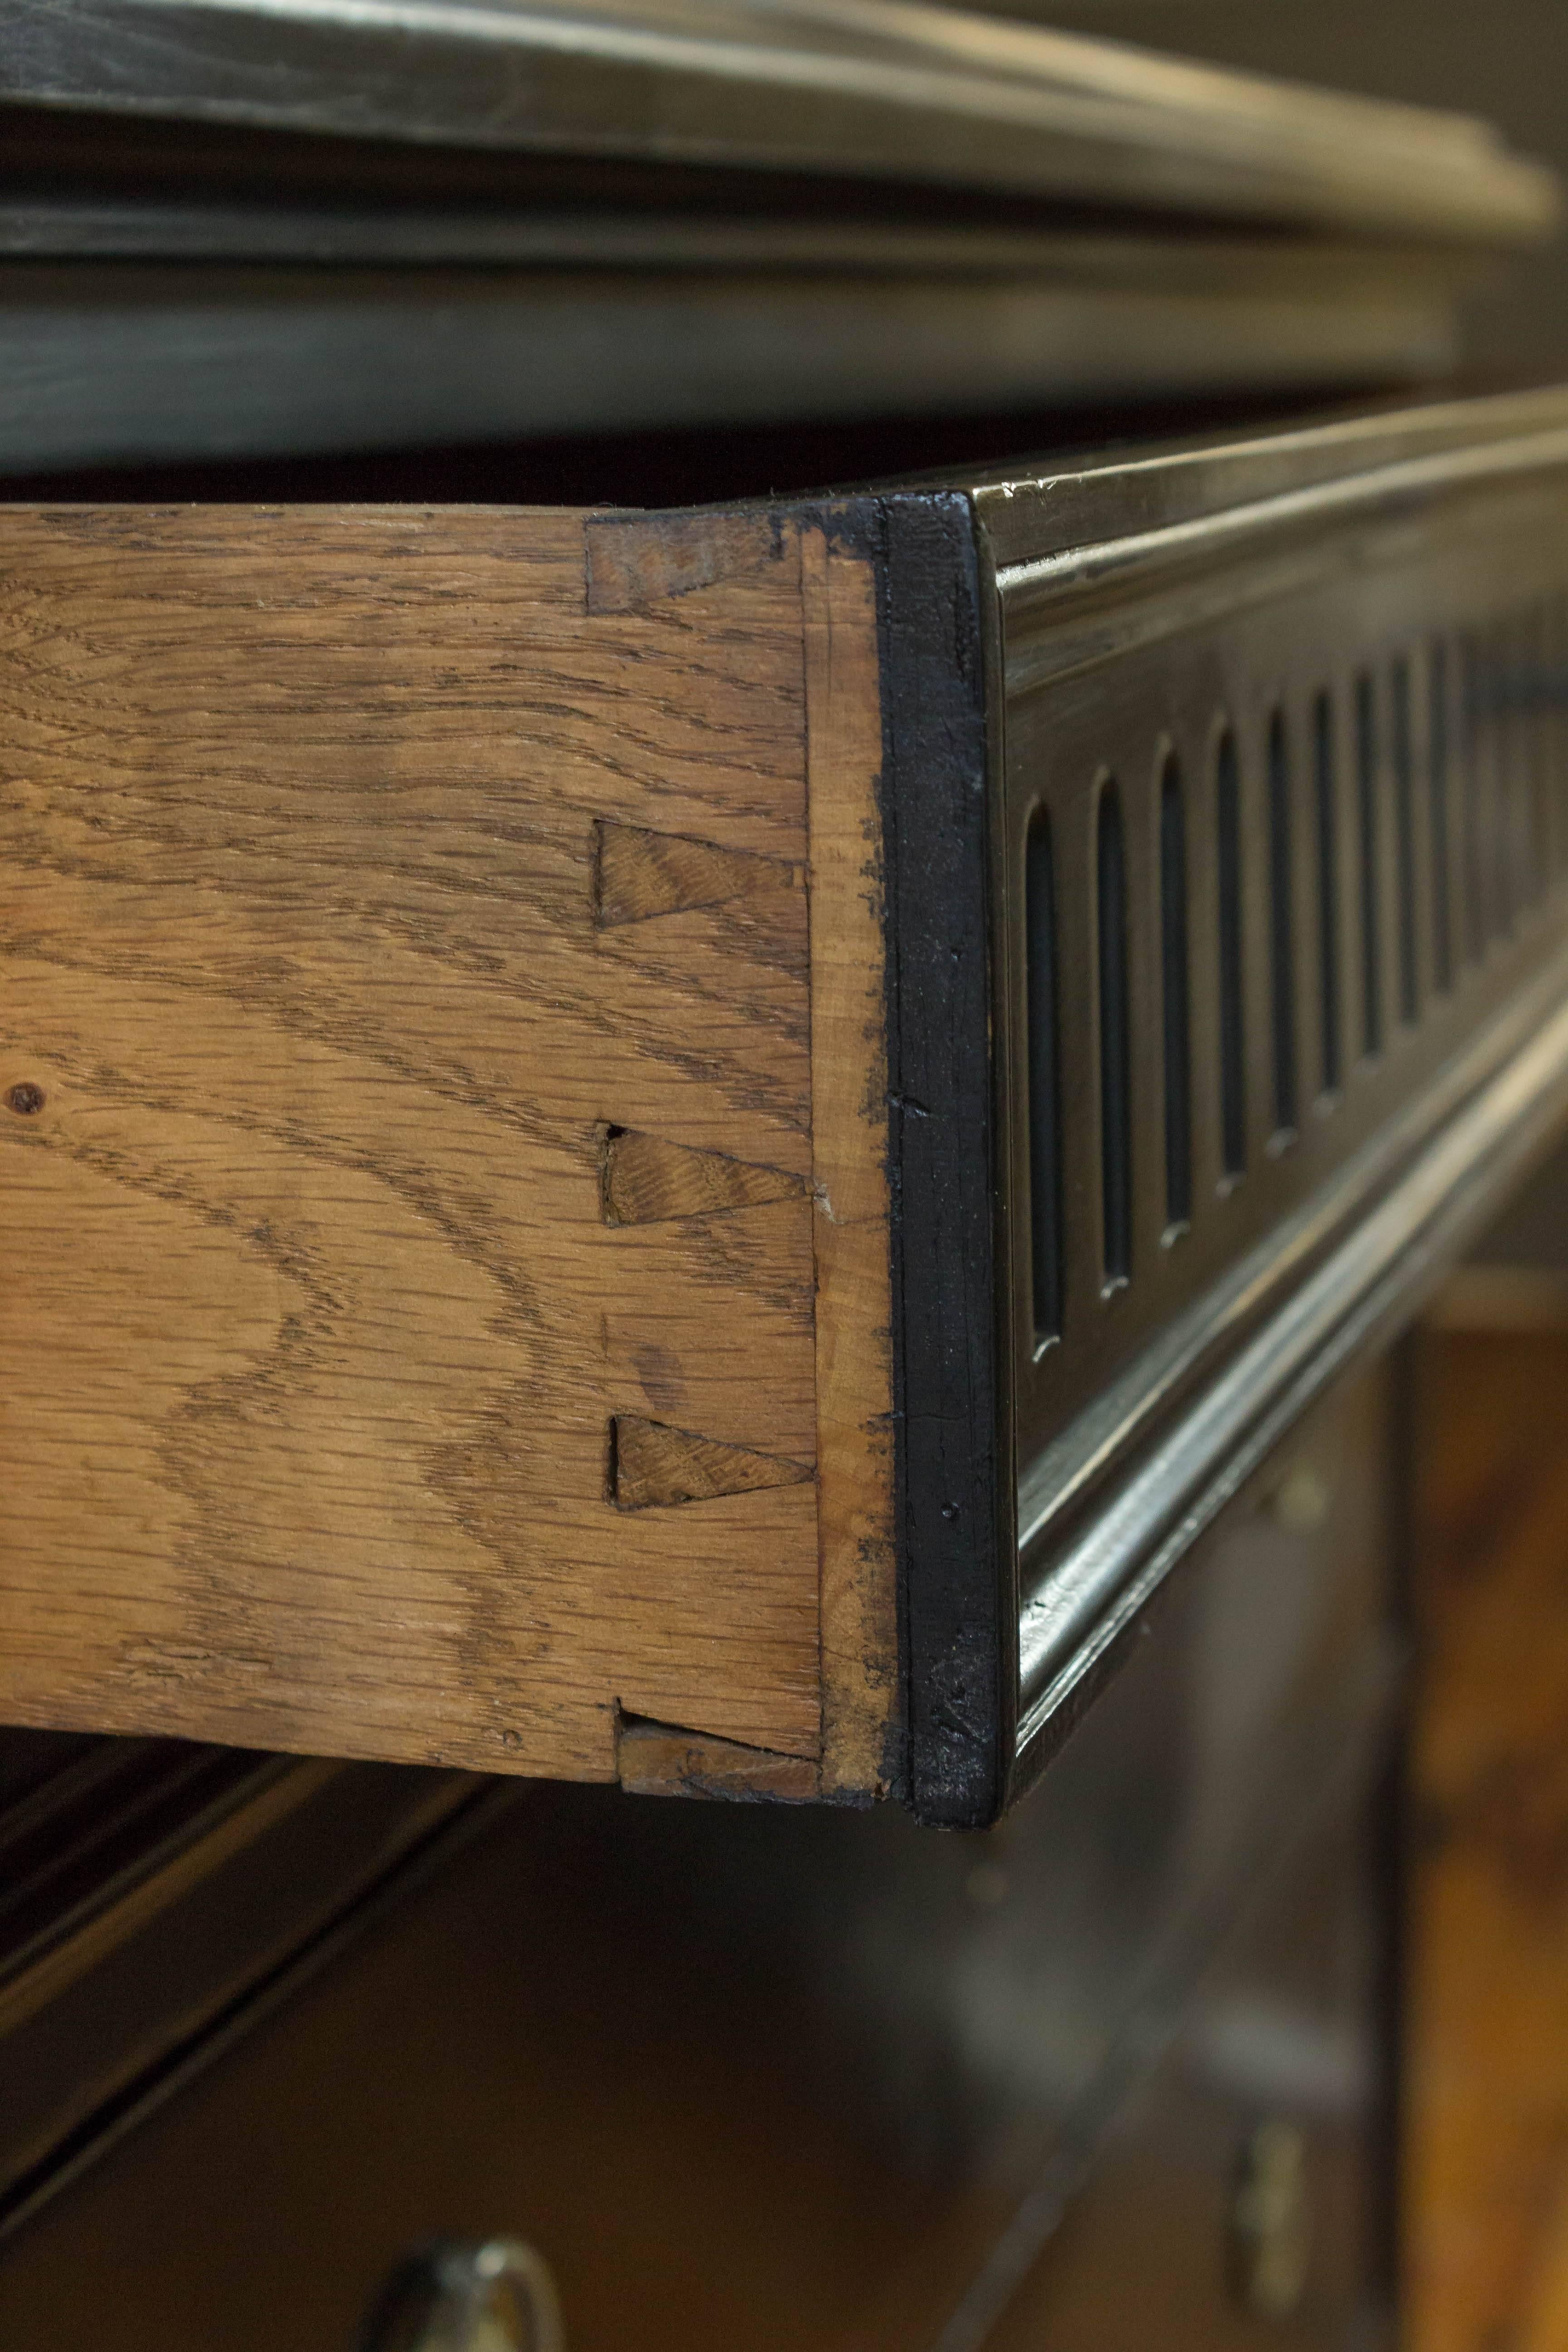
<point>849,1167</point>
<point>311,1032</point>
<point>639,873</point>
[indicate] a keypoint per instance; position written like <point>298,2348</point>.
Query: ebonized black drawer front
<point>1273,879</point>
<point>1244,2192</point>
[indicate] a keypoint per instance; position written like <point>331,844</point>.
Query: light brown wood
<point>657,1761</point>
<point>443,1157</point>
<point>652,1463</point>
<point>316,1323</point>
<point>849,1168</point>
<point>639,873</point>
<point>647,1179</point>
<point>1485,2058</point>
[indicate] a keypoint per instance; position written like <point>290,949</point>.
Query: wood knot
<point>25,1098</point>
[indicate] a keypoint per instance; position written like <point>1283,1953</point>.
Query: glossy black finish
<point>953,1454</point>
<point>1165,2242</point>
<point>153,1895</point>
<point>1327,636</point>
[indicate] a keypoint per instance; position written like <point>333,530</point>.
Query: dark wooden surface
<point>781,2077</point>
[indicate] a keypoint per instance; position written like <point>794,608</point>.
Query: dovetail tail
<point>650,1464</point>
<point>662,1759</point>
<point>643,1180</point>
<point>638,559</point>
<point>609,1137</point>
<point>638,874</point>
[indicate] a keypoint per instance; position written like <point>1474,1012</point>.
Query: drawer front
<point>1242,2201</point>
<point>1273,888</point>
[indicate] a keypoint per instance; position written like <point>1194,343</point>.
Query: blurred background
<point>1507,63</point>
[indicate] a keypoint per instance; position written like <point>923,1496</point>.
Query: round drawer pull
<point>1270,2221</point>
<point>449,2297</point>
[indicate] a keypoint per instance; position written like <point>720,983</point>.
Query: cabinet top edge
<point>924,95</point>
<point>1031,513</point>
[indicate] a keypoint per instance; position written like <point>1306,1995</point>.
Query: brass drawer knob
<point>1270,2221</point>
<point>447,2297</point>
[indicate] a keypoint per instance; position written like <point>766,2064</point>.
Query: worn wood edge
<point>659,1760</point>
<point>636,560</point>
<point>956,1568</point>
<point>849,1168</point>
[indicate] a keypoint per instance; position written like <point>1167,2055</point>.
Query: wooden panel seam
<point>652,884</point>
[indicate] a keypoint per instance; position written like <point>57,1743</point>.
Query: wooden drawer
<point>544,1135</point>
<point>449,1165</point>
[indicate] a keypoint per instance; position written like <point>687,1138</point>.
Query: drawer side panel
<point>363,888</point>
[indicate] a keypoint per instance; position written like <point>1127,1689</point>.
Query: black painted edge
<point>957,1617</point>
